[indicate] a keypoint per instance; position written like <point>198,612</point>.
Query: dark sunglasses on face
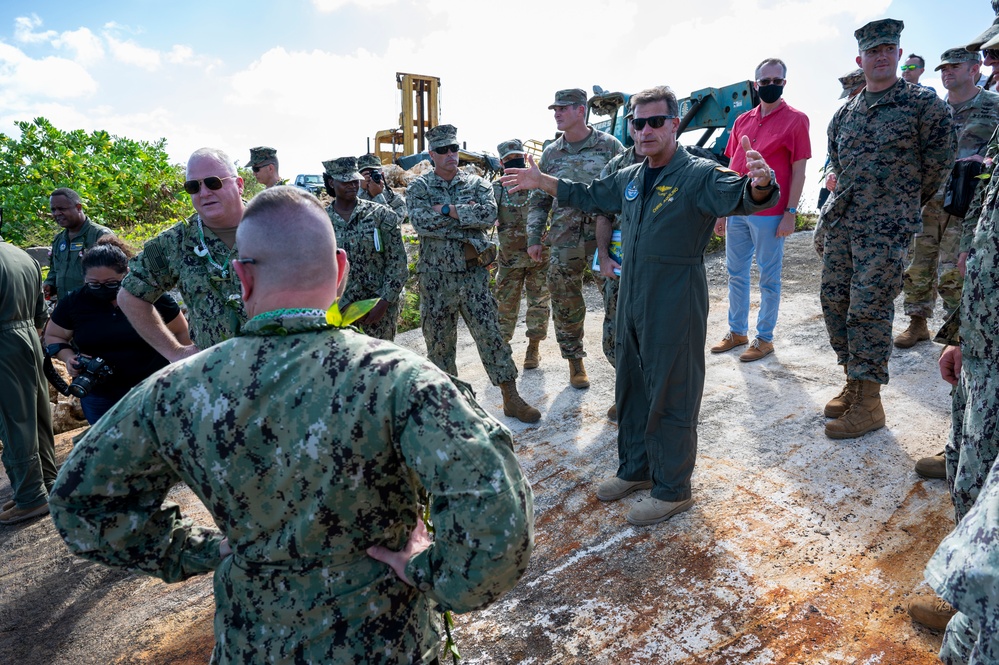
<point>771,81</point>
<point>213,183</point>
<point>991,53</point>
<point>653,121</point>
<point>445,149</point>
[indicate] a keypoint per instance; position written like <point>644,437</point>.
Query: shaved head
<point>290,237</point>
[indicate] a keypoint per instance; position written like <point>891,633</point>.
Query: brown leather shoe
<point>7,506</point>
<point>866,414</point>
<point>577,374</point>
<point>931,611</point>
<point>932,467</point>
<point>758,349</point>
<point>915,333</point>
<point>533,357</point>
<point>515,406</point>
<point>729,342</point>
<point>612,413</point>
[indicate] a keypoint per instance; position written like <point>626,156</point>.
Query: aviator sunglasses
<point>653,121</point>
<point>213,183</point>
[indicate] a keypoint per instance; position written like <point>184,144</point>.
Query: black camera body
<point>376,176</point>
<point>91,372</point>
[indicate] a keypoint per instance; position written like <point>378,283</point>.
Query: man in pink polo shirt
<point>780,133</point>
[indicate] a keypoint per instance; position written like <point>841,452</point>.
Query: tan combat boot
<point>612,413</point>
<point>533,357</point>
<point>840,404</point>
<point>934,466</point>
<point>915,333</point>
<point>515,406</point>
<point>577,374</point>
<point>931,611</point>
<point>865,414</point>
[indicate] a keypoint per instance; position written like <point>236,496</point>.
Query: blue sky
<point>315,79</point>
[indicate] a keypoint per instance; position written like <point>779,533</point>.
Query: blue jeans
<point>745,236</point>
<point>95,406</point>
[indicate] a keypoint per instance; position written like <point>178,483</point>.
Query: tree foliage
<point>128,186</point>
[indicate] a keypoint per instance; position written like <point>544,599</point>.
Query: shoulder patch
<point>725,169</point>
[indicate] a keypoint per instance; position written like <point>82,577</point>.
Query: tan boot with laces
<point>915,333</point>
<point>514,405</point>
<point>865,414</point>
<point>533,357</point>
<point>577,374</point>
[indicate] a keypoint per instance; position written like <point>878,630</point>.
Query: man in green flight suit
<point>25,416</point>
<point>312,447</point>
<point>79,233</point>
<point>667,206</point>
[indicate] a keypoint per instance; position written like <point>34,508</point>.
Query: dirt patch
<point>799,549</point>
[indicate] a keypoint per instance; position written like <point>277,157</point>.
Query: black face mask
<point>518,163</point>
<point>104,293</point>
<point>771,93</point>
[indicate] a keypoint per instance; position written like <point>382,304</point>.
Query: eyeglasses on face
<point>98,285</point>
<point>213,183</point>
<point>909,68</point>
<point>653,121</point>
<point>445,149</point>
<point>770,81</point>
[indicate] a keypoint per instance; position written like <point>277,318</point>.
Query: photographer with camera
<point>103,353</point>
<point>373,187</point>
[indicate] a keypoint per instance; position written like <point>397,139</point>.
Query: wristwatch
<point>793,211</point>
<point>446,209</point>
<point>773,183</point>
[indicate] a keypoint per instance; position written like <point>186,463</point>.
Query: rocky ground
<point>799,549</point>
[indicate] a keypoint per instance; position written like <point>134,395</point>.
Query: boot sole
<point>852,435</point>
<point>909,345</point>
<point>532,419</point>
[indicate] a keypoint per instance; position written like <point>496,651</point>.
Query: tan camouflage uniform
<point>374,273</point>
<point>935,249</point>
<point>890,160</point>
<point>212,296</point>
<point>517,270</point>
<point>571,233</point>
<point>301,482</point>
<point>449,284</point>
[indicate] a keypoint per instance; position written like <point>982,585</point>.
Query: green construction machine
<point>708,109</point>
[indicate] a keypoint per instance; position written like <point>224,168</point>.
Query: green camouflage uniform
<point>212,296</point>
<point>517,270</point>
<point>65,268</point>
<point>28,452</point>
<point>625,159</point>
<point>301,482</point>
<point>374,273</point>
<point>389,198</point>
<point>890,160</point>
<point>936,247</point>
<point>449,284</point>
<point>571,233</point>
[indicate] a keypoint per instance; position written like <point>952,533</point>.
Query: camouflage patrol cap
<point>260,156</point>
<point>442,135</point>
<point>511,147</point>
<point>977,44</point>
<point>573,97</point>
<point>368,161</point>
<point>343,169</point>
<point>851,81</point>
<point>992,43</point>
<point>955,56</point>
<point>875,33</point>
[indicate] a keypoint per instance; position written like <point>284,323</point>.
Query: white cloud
<point>24,30</point>
<point>130,53</point>
<point>329,6</point>
<point>85,44</point>
<point>49,77</point>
